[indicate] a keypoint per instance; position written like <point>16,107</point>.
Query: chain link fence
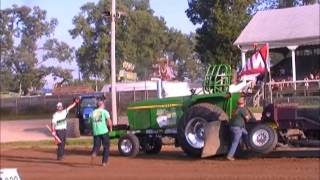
<point>47,104</point>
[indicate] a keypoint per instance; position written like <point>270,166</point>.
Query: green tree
<point>221,23</point>
<point>140,37</point>
<point>21,56</point>
<point>93,27</point>
<point>180,48</point>
<point>278,4</point>
<point>64,74</point>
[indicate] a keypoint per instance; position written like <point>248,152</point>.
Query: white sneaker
<point>104,164</point>
<point>230,158</point>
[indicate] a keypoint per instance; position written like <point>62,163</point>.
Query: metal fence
<point>308,101</point>
<point>283,90</point>
<point>292,89</point>
<point>47,104</point>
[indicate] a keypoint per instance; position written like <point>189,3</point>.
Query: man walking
<point>237,126</point>
<point>59,125</point>
<point>101,124</point>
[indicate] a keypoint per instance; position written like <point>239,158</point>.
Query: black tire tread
<point>270,146</point>
<point>208,111</point>
<point>156,147</point>
<point>135,142</point>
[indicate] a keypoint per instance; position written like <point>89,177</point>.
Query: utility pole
<point>113,63</point>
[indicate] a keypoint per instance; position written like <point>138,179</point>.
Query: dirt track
<point>171,163</point>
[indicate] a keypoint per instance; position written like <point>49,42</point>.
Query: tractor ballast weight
<point>183,118</point>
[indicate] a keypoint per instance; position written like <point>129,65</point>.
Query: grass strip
<point>71,142</point>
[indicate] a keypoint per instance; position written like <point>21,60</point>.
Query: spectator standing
<point>101,125</point>
<point>237,127</point>
<point>59,126</point>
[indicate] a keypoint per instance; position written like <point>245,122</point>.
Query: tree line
<point>27,40</point>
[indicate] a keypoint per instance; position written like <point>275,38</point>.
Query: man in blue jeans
<point>237,126</point>
<point>101,124</point>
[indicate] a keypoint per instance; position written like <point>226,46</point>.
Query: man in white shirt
<point>59,125</point>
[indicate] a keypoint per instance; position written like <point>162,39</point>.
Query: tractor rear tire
<point>128,145</point>
<point>191,128</point>
<point>263,139</point>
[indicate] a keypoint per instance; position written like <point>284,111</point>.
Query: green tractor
<point>183,118</point>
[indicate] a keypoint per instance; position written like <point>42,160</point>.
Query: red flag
<point>257,63</point>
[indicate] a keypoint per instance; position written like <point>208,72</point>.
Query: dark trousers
<point>62,135</point>
<point>97,141</point>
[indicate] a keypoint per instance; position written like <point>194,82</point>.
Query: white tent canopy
<point>282,27</point>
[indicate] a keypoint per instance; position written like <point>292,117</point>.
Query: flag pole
<point>269,71</point>
<point>113,64</point>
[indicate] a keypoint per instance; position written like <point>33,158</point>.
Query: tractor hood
<point>158,103</point>
<point>155,113</point>
<point>166,112</point>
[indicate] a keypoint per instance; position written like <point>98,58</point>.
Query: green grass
<point>30,116</point>
<point>71,142</point>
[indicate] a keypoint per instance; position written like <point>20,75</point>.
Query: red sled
<point>55,137</point>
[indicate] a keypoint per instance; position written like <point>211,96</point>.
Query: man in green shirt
<point>237,126</point>
<point>101,124</point>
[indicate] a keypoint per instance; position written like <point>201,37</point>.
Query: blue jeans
<point>97,141</point>
<point>237,134</point>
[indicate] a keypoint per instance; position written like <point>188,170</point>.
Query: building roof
<point>283,27</point>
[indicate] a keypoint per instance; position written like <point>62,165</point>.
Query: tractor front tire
<point>263,139</point>
<point>191,128</point>
<point>128,145</point>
